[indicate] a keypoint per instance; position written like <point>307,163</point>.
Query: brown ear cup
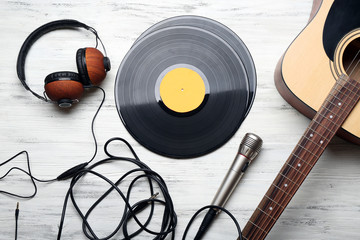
<point>90,64</point>
<point>63,87</point>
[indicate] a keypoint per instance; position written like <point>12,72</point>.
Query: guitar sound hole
<point>351,59</point>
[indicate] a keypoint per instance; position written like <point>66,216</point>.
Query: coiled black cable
<point>169,216</point>
<point>141,172</point>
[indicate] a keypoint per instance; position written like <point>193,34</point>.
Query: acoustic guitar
<point>319,75</point>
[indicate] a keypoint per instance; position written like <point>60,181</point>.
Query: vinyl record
<point>182,91</point>
<point>221,31</point>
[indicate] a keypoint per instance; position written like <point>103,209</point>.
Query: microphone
<point>249,149</point>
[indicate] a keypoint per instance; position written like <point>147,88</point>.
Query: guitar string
<point>280,203</point>
<point>346,98</point>
<point>352,61</point>
<point>282,192</point>
<point>306,140</point>
<point>355,65</point>
<point>310,140</point>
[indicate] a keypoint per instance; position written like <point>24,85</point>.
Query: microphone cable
<point>209,217</point>
<point>141,172</point>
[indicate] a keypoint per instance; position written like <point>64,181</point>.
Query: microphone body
<point>231,180</point>
<point>249,148</point>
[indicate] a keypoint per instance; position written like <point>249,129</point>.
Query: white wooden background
<point>327,206</point>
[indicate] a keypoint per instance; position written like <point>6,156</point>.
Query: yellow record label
<point>182,90</point>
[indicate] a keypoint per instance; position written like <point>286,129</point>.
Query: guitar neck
<point>341,100</point>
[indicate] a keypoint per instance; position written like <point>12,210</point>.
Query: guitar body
<point>319,75</point>
<point>324,50</point>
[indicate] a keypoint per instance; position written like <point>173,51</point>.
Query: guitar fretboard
<point>341,100</point>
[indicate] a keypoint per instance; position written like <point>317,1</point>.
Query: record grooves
<point>183,91</point>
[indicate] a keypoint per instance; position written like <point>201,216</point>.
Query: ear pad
<point>90,64</point>
<point>63,87</point>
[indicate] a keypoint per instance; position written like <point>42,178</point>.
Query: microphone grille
<point>252,141</point>
<point>250,145</point>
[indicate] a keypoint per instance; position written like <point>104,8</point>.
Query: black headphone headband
<point>35,35</point>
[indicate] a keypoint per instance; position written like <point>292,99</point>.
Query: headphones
<point>65,87</point>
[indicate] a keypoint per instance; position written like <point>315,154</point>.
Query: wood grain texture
<point>326,206</point>
<point>294,100</point>
<point>307,53</point>
<point>95,65</point>
<point>64,89</point>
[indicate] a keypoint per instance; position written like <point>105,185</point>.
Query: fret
<point>340,100</point>
<point>313,154</point>
<point>257,226</point>
<point>327,122</point>
<point>266,196</point>
<point>331,121</point>
<point>281,190</point>
<point>289,179</point>
<point>272,209</point>
<point>332,118</point>
<point>284,186</point>
<point>310,157</point>
<point>313,142</point>
<point>342,89</point>
<point>336,96</point>
<point>331,108</point>
<point>355,94</point>
<point>264,222</point>
<point>338,107</point>
<point>290,174</point>
<point>302,160</point>
<point>296,169</point>
<point>266,214</point>
<point>317,134</point>
<point>323,127</point>
<point>343,79</point>
<point>354,84</point>
<point>310,144</point>
<point>255,234</point>
<point>344,92</point>
<point>356,88</point>
<point>311,129</point>
<point>328,113</point>
<point>338,104</point>
<point>299,164</point>
<point>342,107</point>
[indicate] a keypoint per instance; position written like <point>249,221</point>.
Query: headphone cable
<point>65,175</point>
